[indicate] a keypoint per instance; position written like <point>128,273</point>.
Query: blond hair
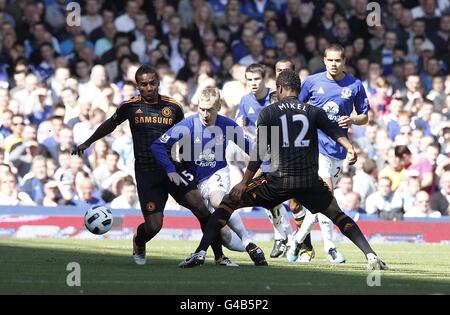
<point>210,94</point>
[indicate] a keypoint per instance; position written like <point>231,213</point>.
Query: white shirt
<point>124,23</point>
<point>417,12</point>
<point>141,48</point>
<point>121,203</point>
<point>260,5</point>
<point>415,213</point>
<point>88,23</point>
<point>376,202</point>
<point>248,60</point>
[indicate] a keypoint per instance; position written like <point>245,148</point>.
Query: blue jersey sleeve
<point>361,101</point>
<point>242,140</point>
<point>305,92</point>
<point>241,111</point>
<point>164,143</point>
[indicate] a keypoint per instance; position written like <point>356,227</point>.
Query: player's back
<point>293,140</point>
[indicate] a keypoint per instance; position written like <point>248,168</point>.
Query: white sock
<point>236,224</point>
<point>233,242</point>
<point>306,228</point>
<point>326,225</point>
<point>286,222</point>
<point>278,229</point>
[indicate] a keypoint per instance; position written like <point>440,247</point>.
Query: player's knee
<point>225,235</point>
<point>344,223</point>
<point>215,203</point>
<point>295,206</point>
<point>194,202</point>
<point>333,211</point>
<point>216,198</point>
<point>153,224</point>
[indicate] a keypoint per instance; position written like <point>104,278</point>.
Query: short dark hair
<point>288,79</point>
<point>285,60</point>
<point>257,68</point>
<point>144,69</point>
<point>335,47</point>
<point>400,150</point>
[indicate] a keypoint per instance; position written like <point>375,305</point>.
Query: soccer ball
<point>98,219</point>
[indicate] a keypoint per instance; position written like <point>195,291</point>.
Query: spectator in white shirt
<point>145,44</point>
<point>10,195</point>
<point>256,53</point>
<point>422,208</point>
<point>91,20</point>
<point>384,201</point>
<point>125,23</point>
<point>127,198</point>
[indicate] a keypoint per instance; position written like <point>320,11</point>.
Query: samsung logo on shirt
<point>153,120</point>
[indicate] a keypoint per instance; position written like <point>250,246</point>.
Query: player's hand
<point>344,122</point>
<point>79,150</point>
<point>175,178</point>
<point>351,157</point>
<point>237,191</point>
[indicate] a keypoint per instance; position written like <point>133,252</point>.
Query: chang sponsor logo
<point>332,110</point>
<point>206,158</point>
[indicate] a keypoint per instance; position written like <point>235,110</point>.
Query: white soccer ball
<point>98,219</point>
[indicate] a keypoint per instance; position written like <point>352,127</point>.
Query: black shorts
<point>154,187</point>
<point>266,192</point>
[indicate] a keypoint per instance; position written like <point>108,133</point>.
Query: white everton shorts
<point>330,168</point>
<point>219,181</point>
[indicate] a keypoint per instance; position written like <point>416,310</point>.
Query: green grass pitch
<point>38,266</point>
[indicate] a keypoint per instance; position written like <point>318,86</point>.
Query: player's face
<point>334,62</point>
<point>208,112</point>
<point>255,82</point>
<point>280,66</point>
<point>148,85</point>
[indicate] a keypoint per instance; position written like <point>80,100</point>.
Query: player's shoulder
<point>314,77</point>
<point>226,121</point>
<point>132,100</point>
<point>247,98</point>
<point>352,80</point>
<point>191,119</point>
<point>170,101</point>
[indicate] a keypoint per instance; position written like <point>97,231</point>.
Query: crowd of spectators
<point>59,81</point>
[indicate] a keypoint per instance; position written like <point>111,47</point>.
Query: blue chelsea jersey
<point>203,148</point>
<point>337,98</point>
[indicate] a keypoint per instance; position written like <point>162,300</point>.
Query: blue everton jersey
<point>203,148</point>
<point>250,107</point>
<point>337,98</point>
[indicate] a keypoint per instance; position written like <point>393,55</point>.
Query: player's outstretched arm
<point>103,130</point>
<point>351,153</point>
<point>348,121</point>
